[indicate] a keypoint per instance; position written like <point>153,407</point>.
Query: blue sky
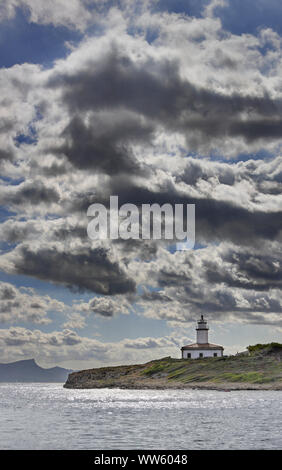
<point>23,41</point>
<point>173,101</point>
<point>237,16</point>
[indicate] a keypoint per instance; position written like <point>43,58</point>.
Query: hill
<point>29,371</point>
<point>260,369</point>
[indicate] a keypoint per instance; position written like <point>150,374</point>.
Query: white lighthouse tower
<point>202,331</point>
<point>202,348</point>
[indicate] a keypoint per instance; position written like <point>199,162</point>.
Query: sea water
<point>47,416</point>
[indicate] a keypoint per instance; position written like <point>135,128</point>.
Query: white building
<point>202,348</point>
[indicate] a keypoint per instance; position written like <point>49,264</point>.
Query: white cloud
<point>105,306</point>
<point>67,347</point>
<point>25,305</point>
<point>123,115</point>
<point>70,13</point>
<point>75,321</point>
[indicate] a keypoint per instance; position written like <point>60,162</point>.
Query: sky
<point>154,102</point>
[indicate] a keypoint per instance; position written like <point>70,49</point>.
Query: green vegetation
<point>261,368</point>
<point>246,369</point>
<point>265,348</point>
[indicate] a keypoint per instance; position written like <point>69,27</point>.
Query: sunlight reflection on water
<point>47,416</point>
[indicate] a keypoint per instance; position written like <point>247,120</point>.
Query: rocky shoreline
<point>258,372</point>
<point>161,385</point>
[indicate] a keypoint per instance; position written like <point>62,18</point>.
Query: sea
<point>47,416</point>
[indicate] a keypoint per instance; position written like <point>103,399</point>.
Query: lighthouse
<point>202,348</point>
<point>202,331</point>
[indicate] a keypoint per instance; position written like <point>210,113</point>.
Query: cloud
<point>249,270</point>
<point>217,218</point>
<point>150,343</point>
<point>69,13</point>
<point>57,345</point>
<point>66,346</point>
<point>29,193</point>
<point>226,282</point>
<point>155,91</point>
<point>103,143</point>
<point>25,305</point>
<point>155,107</point>
<point>75,321</point>
<point>105,306</point>
<point>81,269</point>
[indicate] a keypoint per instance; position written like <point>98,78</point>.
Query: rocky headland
<point>259,368</point>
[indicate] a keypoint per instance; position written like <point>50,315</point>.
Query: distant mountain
<point>29,371</point>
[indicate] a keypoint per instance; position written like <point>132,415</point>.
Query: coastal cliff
<point>260,368</point>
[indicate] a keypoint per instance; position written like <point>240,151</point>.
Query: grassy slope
<point>261,369</point>
<point>217,370</point>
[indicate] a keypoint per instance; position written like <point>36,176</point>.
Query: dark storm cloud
<point>265,176</point>
<point>221,220</point>
<point>31,193</point>
<point>90,270</point>
<point>6,155</point>
<point>172,278</point>
<point>257,271</point>
<point>258,128</point>
<point>104,143</point>
<point>115,81</point>
<point>197,170</point>
<point>143,250</point>
<point>223,302</point>
<point>154,89</point>
<point>216,220</point>
<point>216,274</point>
<point>56,169</point>
<point>37,192</point>
<point>65,233</point>
<point>6,126</point>
<point>194,293</point>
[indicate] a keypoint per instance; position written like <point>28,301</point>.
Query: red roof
<point>202,346</point>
